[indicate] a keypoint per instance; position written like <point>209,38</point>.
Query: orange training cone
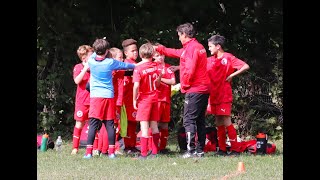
<point>241,167</point>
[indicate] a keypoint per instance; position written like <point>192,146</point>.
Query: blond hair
<point>146,50</point>
<point>83,51</point>
<point>113,52</point>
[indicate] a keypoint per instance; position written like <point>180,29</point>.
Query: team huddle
<point>144,90</point>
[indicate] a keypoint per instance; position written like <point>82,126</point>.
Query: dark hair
<point>186,28</point>
<point>128,42</point>
<point>100,46</point>
<point>217,39</point>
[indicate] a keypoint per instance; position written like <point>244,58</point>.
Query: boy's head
<point>146,51</point>
<point>185,32</point>
<point>84,51</point>
<point>158,58</point>
<point>101,46</point>
<point>215,44</point>
<point>116,54</point>
<point>130,48</point>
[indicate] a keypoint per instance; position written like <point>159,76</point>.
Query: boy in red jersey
<point>146,78</point>
<point>164,99</point>
<point>195,84</point>
<point>131,52</point>
<point>222,67</point>
<point>117,79</point>
<point>81,75</point>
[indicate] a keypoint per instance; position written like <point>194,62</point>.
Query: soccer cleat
<point>112,156</point>
<point>88,156</point>
<point>96,153</point>
<point>74,151</point>
<point>199,154</point>
<point>188,155</point>
<point>118,152</point>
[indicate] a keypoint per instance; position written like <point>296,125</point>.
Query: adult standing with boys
<point>195,84</point>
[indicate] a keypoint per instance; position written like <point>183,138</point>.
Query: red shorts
<point>147,112</point>
<point>102,108</point>
<point>117,115</point>
<point>81,113</point>
<point>220,109</point>
<point>164,112</point>
<point>131,113</point>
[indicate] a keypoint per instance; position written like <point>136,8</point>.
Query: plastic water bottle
<point>58,144</point>
<point>44,142</point>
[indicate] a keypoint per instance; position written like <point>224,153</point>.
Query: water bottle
<point>44,142</point>
<point>58,144</point>
<point>262,141</point>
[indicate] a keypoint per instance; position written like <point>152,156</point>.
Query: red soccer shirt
<point>127,87</point>
<point>117,79</point>
<point>218,70</point>
<point>82,95</point>
<point>164,90</point>
<point>146,74</point>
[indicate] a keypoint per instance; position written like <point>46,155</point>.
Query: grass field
<point>62,165</point>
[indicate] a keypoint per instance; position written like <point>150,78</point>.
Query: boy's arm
<point>238,64</point>
<point>135,94</point>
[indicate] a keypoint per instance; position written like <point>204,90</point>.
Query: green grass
<point>54,165</point>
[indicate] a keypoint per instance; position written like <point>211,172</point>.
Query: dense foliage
<point>253,29</point>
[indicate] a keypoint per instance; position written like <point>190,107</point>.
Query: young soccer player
<point>102,106</point>
<point>222,67</point>
<point>117,80</point>
<point>164,99</point>
<point>130,50</point>
<point>146,79</point>
<point>81,75</point>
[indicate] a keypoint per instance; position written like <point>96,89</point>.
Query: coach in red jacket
<point>194,83</point>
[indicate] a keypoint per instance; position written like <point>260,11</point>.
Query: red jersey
<point>193,65</point>
<point>218,70</point>
<point>117,79</point>
<point>146,74</point>
<point>128,87</point>
<point>82,95</point>
<point>164,90</point>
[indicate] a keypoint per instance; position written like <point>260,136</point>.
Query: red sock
<point>89,149</point>
<point>111,149</point>
<point>232,133</point>
<point>95,142</point>
<point>221,132</point>
<point>150,140</point>
<point>144,146</point>
<point>155,143</point>
<point>164,133</point>
<point>130,140</point>
<point>76,137</point>
<point>105,144</point>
